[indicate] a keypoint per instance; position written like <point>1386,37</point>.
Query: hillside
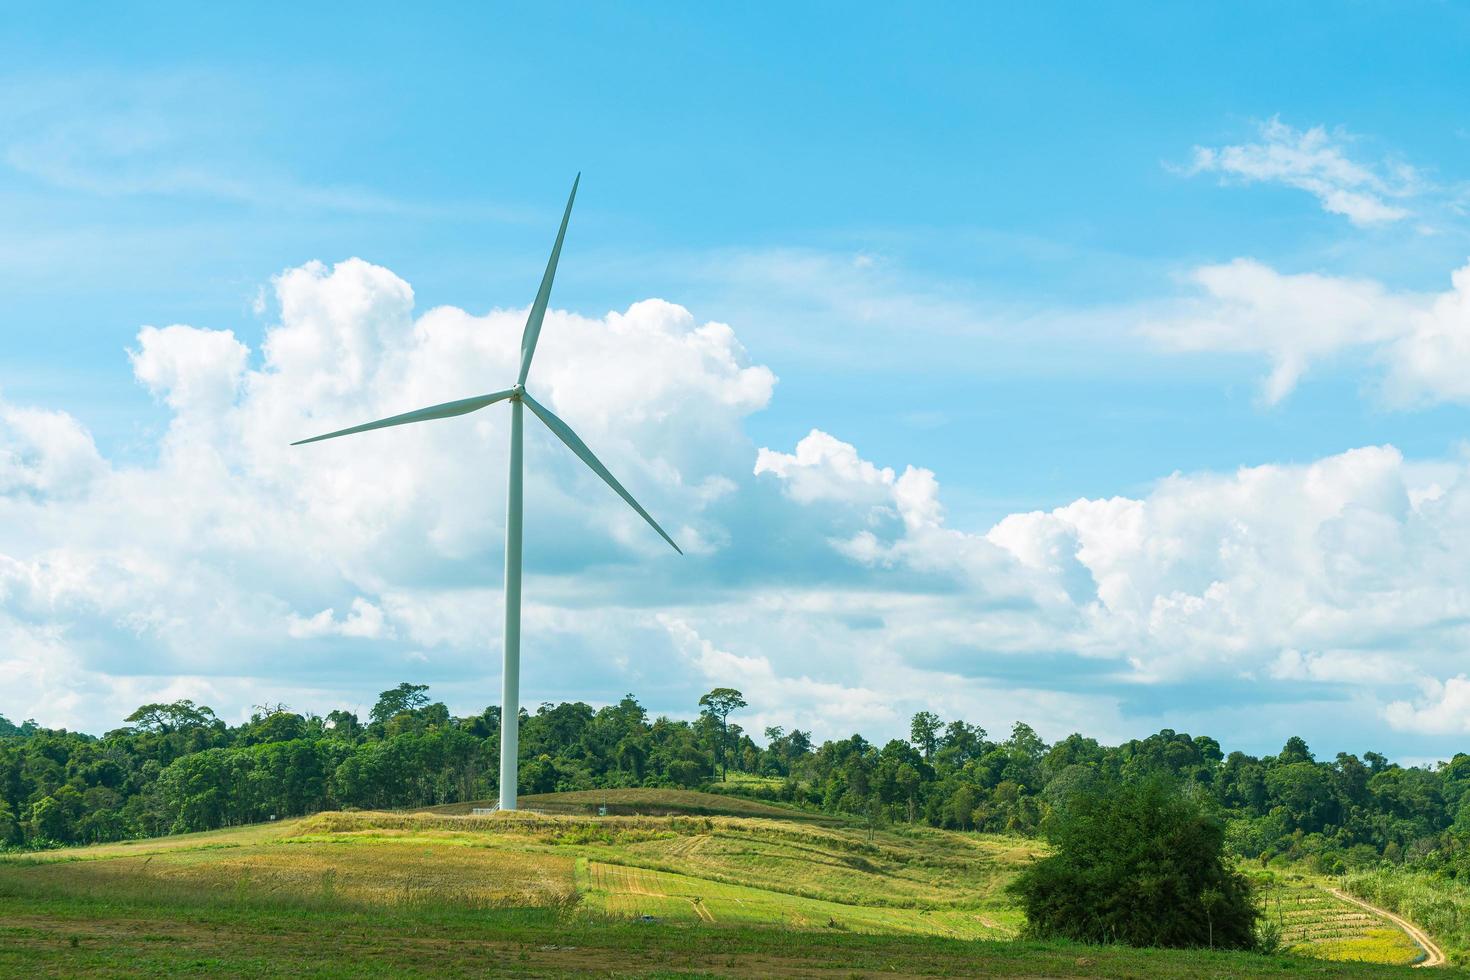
<point>542,894</point>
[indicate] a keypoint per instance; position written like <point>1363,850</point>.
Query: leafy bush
<point>1141,864</point>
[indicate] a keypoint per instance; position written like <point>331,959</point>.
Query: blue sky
<point>974,241</point>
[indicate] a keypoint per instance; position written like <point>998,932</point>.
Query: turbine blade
<point>576,445</point>
<point>444,411</point>
<point>543,295</point>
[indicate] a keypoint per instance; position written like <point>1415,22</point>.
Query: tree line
<point>178,767</point>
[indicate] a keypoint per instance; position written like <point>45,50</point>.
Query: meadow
<point>679,890</point>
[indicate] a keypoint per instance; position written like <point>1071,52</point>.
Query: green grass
<point>173,934</point>
<point>434,893</point>
<point>745,782</point>
<point>1315,923</point>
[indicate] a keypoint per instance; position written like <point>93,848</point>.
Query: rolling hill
<point>668,882</point>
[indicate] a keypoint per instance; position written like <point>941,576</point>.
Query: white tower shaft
<point>510,689</point>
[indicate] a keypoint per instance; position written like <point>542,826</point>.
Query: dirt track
<point>1433,955</point>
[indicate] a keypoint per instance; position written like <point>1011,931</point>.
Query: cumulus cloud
<point>832,588</point>
<point>197,372</point>
<point>1444,708</point>
<point>1342,572</point>
<point>1297,320</point>
<point>363,620</point>
<point>47,454</point>
<point>1317,162</point>
<point>203,561</point>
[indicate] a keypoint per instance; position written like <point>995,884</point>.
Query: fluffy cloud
<point>213,558</point>
<point>1344,573</point>
<point>45,453</point>
<point>832,589</point>
<point>1317,162</point>
<point>1299,319</point>
<point>197,372</point>
<point>364,620</point>
<point>1443,710</point>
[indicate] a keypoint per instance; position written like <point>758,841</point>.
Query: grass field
<point>1314,923</point>
<point>436,893</point>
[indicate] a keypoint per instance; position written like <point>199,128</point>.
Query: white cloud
<point>831,588</point>
<point>1337,668</point>
<point>844,707</point>
<point>364,621</point>
<point>1317,162</point>
<point>1443,710</point>
<point>1342,571</point>
<point>45,453</point>
<point>825,468</point>
<point>197,372</point>
<point>1297,320</point>
<point>198,563</point>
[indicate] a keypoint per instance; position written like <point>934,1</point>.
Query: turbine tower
<point>516,394</point>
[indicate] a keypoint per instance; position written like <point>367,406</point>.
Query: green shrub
<point>1141,864</point>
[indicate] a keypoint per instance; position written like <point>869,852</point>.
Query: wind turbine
<point>517,395</point>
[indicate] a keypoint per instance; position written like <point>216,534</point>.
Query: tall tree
<point>165,718</point>
<point>924,733</point>
<point>719,703</point>
<point>405,697</point>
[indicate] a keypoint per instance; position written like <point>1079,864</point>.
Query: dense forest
<point>178,767</point>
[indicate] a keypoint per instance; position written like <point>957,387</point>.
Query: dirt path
<point>1433,955</point>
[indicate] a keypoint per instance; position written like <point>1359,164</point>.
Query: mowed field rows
<point>1315,923</point>
<point>639,892</point>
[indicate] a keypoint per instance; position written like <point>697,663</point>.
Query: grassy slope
<point>441,894</point>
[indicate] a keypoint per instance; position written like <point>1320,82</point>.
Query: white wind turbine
<point>517,395</point>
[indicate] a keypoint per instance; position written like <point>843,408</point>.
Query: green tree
<point>344,725</point>
<point>405,697</point>
<point>162,719</point>
<point>719,703</point>
<point>54,817</point>
<point>1137,863</point>
<point>9,828</point>
<point>924,733</point>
